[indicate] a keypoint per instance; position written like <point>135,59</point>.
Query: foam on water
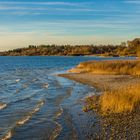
<point>36,109</point>
<point>2,106</point>
<point>7,136</point>
<point>58,114</point>
<point>46,85</point>
<point>58,127</point>
<point>56,132</point>
<point>22,121</point>
<point>17,80</point>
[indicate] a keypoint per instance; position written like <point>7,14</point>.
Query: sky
<point>26,22</point>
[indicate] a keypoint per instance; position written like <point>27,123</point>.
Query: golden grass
<point>121,100</point>
<point>116,100</point>
<point>123,67</point>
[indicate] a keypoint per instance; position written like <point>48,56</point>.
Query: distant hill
<point>131,48</point>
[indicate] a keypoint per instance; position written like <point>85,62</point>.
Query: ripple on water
<point>23,120</point>
<point>58,127</point>
<point>28,117</point>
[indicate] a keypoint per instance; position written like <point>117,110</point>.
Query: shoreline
<point>113,126</point>
<point>116,125</point>
<point>102,82</point>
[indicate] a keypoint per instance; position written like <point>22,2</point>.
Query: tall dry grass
<point>123,67</point>
<point>121,100</point>
<point>124,100</point>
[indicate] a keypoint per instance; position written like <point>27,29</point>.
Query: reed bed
<point>120,67</point>
<point>124,100</point>
<point>121,100</point>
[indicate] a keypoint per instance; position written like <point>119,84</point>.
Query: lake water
<point>36,104</point>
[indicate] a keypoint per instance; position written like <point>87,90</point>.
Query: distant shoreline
<point>131,48</point>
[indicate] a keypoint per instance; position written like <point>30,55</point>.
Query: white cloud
<point>42,3</point>
<point>133,1</point>
<point>96,24</point>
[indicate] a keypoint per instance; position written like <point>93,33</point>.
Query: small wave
<point>37,108</point>
<point>58,128</point>
<point>46,85</point>
<point>25,119</point>
<point>7,136</point>
<point>56,132</point>
<point>2,106</point>
<point>17,80</point>
<point>21,122</point>
<point>59,113</point>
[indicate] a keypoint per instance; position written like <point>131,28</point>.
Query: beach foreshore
<point>118,92</point>
<point>114,126</point>
<point>103,82</point>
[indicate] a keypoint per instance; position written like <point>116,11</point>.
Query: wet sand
<point>103,82</point>
<point>115,126</point>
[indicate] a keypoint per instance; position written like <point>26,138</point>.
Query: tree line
<point>129,48</point>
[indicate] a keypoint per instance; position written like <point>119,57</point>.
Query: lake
<point>36,104</point>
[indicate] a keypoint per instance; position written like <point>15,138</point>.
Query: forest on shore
<point>129,48</point>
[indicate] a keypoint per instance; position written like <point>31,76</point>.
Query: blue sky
<point>67,22</point>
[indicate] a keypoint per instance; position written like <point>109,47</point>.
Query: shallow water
<point>37,104</point>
